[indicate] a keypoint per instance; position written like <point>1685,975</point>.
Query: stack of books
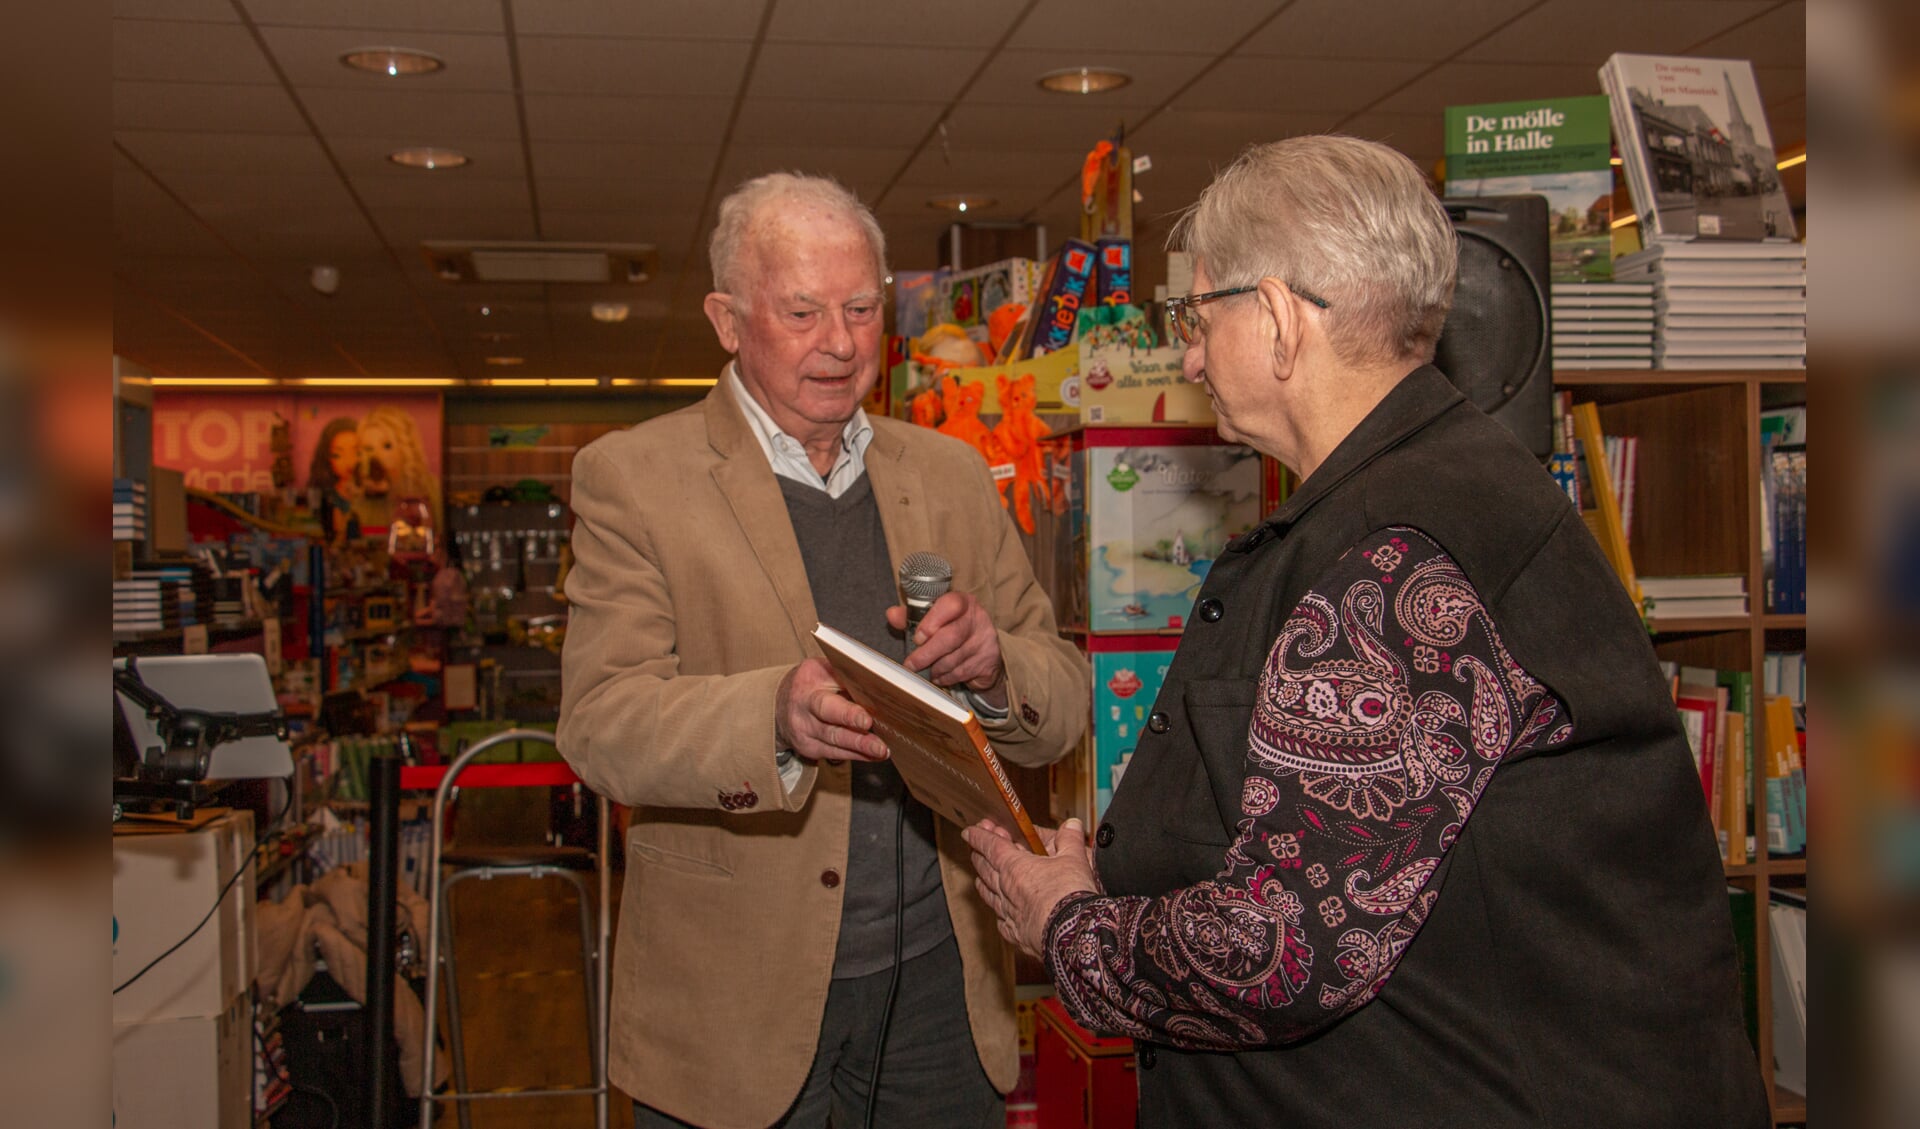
<point>129,509</point>
<point>1723,305</point>
<point>1690,597</point>
<point>1602,325</point>
<point>145,604</point>
<point>159,596</point>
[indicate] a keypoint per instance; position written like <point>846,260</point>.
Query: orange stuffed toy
<point>962,403</point>
<point>926,408</point>
<point>1018,436</point>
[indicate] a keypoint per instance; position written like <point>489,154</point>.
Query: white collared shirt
<point>788,456</point>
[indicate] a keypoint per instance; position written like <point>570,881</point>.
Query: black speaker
<point>1497,346</point>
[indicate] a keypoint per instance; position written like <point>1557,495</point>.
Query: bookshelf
<point>1697,510</point>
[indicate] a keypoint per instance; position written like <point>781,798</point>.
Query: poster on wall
<point>363,457</point>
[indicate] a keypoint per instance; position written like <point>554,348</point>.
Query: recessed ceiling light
<point>961,202</point>
<point>610,312</point>
<point>428,157</point>
<point>393,62</point>
<point>487,311</point>
<point>1084,80</point>
<point>506,362</point>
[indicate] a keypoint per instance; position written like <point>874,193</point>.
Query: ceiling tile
<point>632,121</point>
<point>406,227</point>
<point>385,15</point>
<point>1343,29</point>
<point>1780,84</point>
<point>1420,136</point>
<point>427,115</point>
<point>203,11</point>
<point>631,67</point>
<point>187,52</point>
<point>184,153</point>
<point>597,194</point>
<point>689,164</point>
<point>1458,84</point>
<point>659,19</point>
<point>977,23</point>
<point>1569,31</point>
<point>1296,85</point>
<point>311,58</point>
<point>919,74</point>
<point>204,107</point>
<point>1776,39</point>
<point>670,230</point>
<point>851,167</point>
<point>1012,78</point>
<point>432,191</point>
<point>1202,27</point>
<point>782,121</point>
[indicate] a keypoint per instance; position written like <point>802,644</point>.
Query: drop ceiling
<point>245,153</point>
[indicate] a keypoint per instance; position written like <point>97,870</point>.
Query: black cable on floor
<point>899,944</point>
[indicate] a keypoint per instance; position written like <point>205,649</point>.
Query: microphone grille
<point>925,576</point>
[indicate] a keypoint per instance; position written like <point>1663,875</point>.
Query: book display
<point>1702,445</point>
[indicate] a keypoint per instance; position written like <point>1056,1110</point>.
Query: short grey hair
<point>1351,221</point>
<point>745,206</point>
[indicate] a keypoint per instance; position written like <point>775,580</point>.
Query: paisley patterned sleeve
<point>1384,708</point>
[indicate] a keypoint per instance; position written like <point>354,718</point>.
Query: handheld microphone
<point>924,578</point>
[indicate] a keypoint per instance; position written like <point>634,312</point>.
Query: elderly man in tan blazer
<point>787,903</point>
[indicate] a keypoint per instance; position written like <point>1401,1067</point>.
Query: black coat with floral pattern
<point>1413,836</point>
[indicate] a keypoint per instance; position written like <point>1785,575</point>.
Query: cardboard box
<point>185,1073</point>
<point>163,884</point>
<point>1128,672</point>
<point>1156,506</point>
<point>1122,385</point>
<point>1082,1079</point>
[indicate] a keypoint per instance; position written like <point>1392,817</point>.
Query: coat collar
<point>1421,397</point>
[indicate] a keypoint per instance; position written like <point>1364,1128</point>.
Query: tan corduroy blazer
<point>689,603</point>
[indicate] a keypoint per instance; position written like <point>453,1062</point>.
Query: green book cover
<point>1560,148</point>
<point>1739,684</point>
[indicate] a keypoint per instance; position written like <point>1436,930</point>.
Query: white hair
<point>746,207</point>
<point>1353,222</point>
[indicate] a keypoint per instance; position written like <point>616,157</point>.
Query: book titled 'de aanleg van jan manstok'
<point>937,744</point>
<point>1560,148</point>
<point>1698,156</point>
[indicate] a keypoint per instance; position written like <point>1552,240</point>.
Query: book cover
<point>1696,149</point>
<point>1604,519</point>
<point>1559,148</point>
<point>1700,715</point>
<point>938,745</point>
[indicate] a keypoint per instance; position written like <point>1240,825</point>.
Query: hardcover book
<point>1559,148</point>
<point>937,744</point>
<point>1695,146</point>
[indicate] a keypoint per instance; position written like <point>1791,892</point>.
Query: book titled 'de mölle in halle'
<point>1559,148</point>
<point>937,744</point>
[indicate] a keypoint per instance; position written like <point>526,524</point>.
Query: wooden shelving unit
<point>1696,511</point>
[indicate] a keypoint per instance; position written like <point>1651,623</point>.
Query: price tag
<point>270,644</point>
<point>193,641</point>
<point>1002,471</point>
<point>1142,163</point>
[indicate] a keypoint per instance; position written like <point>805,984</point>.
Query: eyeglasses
<point>1184,322</point>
